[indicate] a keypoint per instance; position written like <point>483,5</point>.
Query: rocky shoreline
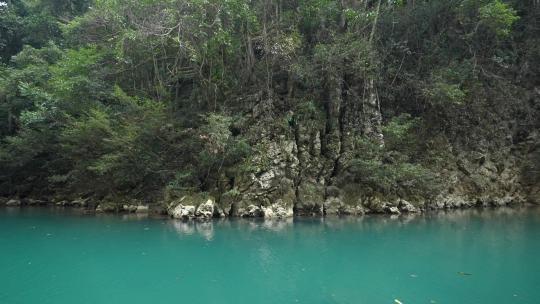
<point>198,207</point>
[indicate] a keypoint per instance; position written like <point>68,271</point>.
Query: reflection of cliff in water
<point>200,228</point>
<point>456,220</point>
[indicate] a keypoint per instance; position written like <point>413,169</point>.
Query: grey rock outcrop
<point>250,211</point>
<point>392,210</point>
<point>129,208</point>
<point>407,207</point>
<point>13,202</point>
<point>310,198</point>
<point>353,210</point>
<point>336,206</point>
<point>181,211</point>
<point>192,206</point>
<point>106,207</point>
<point>277,210</point>
<point>35,202</point>
<point>142,209</point>
<point>333,206</point>
<point>205,210</point>
<point>84,202</point>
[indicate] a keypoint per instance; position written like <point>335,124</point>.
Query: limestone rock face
<point>250,211</point>
<point>376,205</point>
<point>205,210</point>
<point>81,203</point>
<point>182,211</point>
<point>106,207</point>
<point>534,195</point>
<point>407,207</point>
<point>310,198</point>
<point>13,202</point>
<point>129,208</point>
<point>353,210</point>
<point>275,166</point>
<point>278,210</point>
<point>481,179</point>
<point>392,210</point>
<point>191,206</point>
<point>142,209</point>
<point>451,201</point>
<point>333,206</point>
<point>35,202</point>
<point>336,206</point>
<point>75,203</point>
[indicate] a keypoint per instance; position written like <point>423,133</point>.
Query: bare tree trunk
<point>371,103</point>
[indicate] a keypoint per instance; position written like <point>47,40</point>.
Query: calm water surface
<point>55,256</point>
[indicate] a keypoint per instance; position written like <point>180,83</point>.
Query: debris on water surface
<point>397,301</point>
<point>464,273</point>
<point>413,275</point>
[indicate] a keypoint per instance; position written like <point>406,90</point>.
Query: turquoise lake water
<point>56,256</point>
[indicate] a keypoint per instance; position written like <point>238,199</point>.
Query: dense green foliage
<point>142,99</point>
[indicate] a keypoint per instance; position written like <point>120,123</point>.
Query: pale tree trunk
<point>371,103</point>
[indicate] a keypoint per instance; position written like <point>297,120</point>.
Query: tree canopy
<point>144,99</point>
